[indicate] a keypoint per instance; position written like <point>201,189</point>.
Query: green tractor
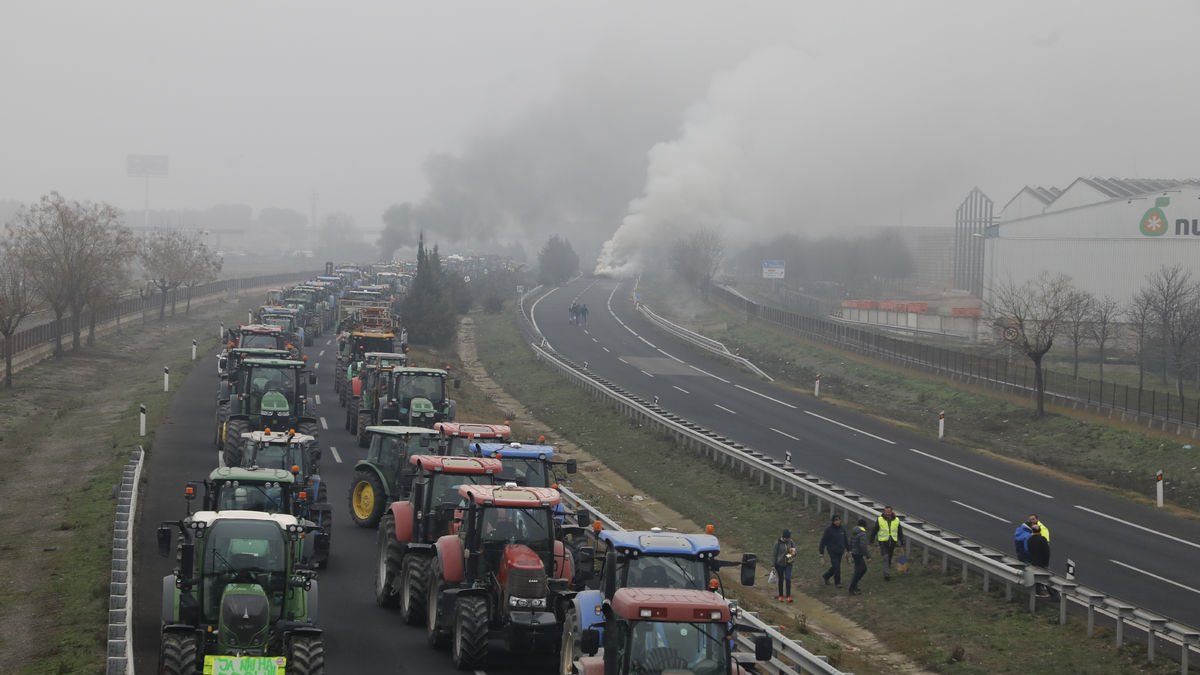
<point>239,598</point>
<point>386,475</point>
<point>369,384</point>
<point>265,393</point>
<point>417,397</point>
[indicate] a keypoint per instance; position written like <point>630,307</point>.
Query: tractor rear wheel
<point>352,415</point>
<point>306,655</point>
<point>232,453</point>
<point>179,654</point>
<point>389,560</point>
<point>569,650</point>
<point>222,413</point>
<point>367,499</point>
<point>412,590</point>
<point>364,421</point>
<point>307,428</point>
<point>470,647</point>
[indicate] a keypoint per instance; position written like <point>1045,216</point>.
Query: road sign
<point>146,166</point>
<point>773,269</point>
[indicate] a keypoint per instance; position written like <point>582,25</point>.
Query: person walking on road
<point>583,312</point>
<point>835,542</point>
<point>783,556</point>
<point>889,533</point>
<point>860,550</point>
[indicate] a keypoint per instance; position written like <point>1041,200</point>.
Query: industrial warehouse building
<point>1107,234</point>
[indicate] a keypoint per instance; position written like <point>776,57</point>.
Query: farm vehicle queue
<point>474,544</point>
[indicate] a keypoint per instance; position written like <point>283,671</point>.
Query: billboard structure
<point>147,167</point>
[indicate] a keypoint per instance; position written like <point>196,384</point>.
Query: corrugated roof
<point>1120,188</point>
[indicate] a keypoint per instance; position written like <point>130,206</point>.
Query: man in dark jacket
<point>889,533</point>
<point>1039,555</point>
<point>860,550</point>
<point>782,556</point>
<point>836,542</point>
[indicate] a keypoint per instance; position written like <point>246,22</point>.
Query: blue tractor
<point>645,559</point>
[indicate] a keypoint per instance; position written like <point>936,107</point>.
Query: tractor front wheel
<point>367,499</point>
<point>435,635</point>
<point>364,421</point>
<point>179,654</point>
<point>232,453</point>
<point>569,649</point>
<point>470,647</point>
<point>389,560</point>
<point>412,591</point>
<point>306,655</point>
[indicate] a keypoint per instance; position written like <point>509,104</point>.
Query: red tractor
<point>458,436</point>
<point>409,528</point>
<point>501,576</point>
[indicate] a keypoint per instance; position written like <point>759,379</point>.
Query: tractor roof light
<point>713,584</point>
<point>542,438</point>
<point>645,613</point>
<point>303,496</point>
<point>295,469</point>
<point>597,525</point>
<point>189,491</point>
<point>710,529</point>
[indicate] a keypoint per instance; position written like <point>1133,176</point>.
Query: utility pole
<point>312,217</point>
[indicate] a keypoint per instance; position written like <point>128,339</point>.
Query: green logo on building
<point>1154,222</point>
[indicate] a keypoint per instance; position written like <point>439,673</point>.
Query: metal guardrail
<point>790,656</point>
<point>120,586</point>
<point>706,343</point>
<point>989,564</point>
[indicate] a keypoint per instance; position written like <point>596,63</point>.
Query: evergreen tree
<point>557,261</point>
<point>428,312</point>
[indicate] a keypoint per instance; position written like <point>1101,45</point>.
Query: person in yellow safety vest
<point>890,534</point>
<point>1033,520</point>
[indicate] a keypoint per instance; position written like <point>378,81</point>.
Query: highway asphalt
<point>360,637</point>
<point>1125,549</point>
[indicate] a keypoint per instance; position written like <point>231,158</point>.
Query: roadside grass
<point>923,614</point>
<point>1111,453</point>
<point>70,583</point>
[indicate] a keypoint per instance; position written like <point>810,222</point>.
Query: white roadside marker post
<point>166,378</point>
<point>221,334</point>
<point>1158,488</point>
<point>942,424</point>
<point>141,419</point>
<point>817,387</point>
<point>193,349</point>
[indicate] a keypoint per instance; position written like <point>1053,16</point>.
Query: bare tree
<point>1168,290</point>
<point>1035,312</point>
<point>1139,314</point>
<point>697,256</point>
<point>16,303</point>
<point>164,257</point>
<point>1183,331</point>
<point>1102,326</point>
<point>202,266</point>
<point>1075,325</point>
<point>63,243</point>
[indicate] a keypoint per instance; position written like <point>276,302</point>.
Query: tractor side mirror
<point>590,642</point>
<point>457,383</point>
<point>572,466</point>
<point>764,648</point>
<point>749,568</point>
<point>164,541</point>
<point>583,518</point>
<point>585,563</point>
<point>609,585</point>
<point>312,377</point>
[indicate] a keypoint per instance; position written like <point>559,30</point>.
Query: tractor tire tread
<point>413,591</point>
<point>179,654</point>
<point>470,639</point>
<point>306,655</point>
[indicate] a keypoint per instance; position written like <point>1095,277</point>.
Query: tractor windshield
<point>243,551</point>
<point>651,571</point>
<point>655,647</point>
<point>273,388</point>
<point>505,525</point>
<point>363,345</point>
<point>281,320</point>
<point>251,497</point>
<point>277,455</point>
<point>420,385</point>
<point>261,341</point>
<point>528,471</point>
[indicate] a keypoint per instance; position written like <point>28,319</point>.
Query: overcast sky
<point>889,111</point>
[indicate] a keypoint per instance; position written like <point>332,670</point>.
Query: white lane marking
<point>765,396</point>
<point>595,340</point>
<point>533,312</point>
<point>585,331</point>
<point>333,451</point>
<point>604,348</point>
<point>622,360</point>
<point>1154,576</point>
<point>322,353</point>
<point>731,412</point>
<point>981,473</point>
<point>989,515</point>
<point>329,342</point>
<point>784,433</point>
<point>682,389</point>
<point>670,356</point>
<point>324,424</point>
<point>317,398</point>
<point>318,366</point>
<point>707,373</point>
<point>868,468</point>
<point>647,374</point>
<point>647,342</point>
<point>847,426</point>
<point>1140,527</point>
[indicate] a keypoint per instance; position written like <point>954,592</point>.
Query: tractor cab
<point>525,464</point>
<point>417,397</point>
<point>229,360</point>
<point>267,393</point>
<point>386,475</point>
<point>249,489</point>
<point>435,490</point>
<point>656,630</point>
<point>275,296</point>
<point>259,336</point>
<point>239,596</point>
<point>458,438</point>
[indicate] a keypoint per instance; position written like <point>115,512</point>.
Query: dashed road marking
<point>647,374</point>
<point>989,515</point>
<point>847,426</point>
<point>981,473</point>
<point>647,342</point>
<point>784,433</point>
<point>699,370</point>
<point>605,349</point>
<point>765,396</point>
<point>1154,576</point>
<point>317,398</point>
<point>731,412</point>
<point>682,389</point>
<point>868,468</point>
<point>322,353</point>
<point>622,360</point>
<point>336,457</point>
<point>324,424</point>
<point>1135,525</point>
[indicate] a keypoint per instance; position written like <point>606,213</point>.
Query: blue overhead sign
<point>773,269</point>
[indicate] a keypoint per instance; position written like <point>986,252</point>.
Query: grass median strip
<point>935,620</point>
<point>69,426</point>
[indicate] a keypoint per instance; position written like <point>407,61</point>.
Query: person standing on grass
<point>836,542</point>
<point>889,534</point>
<point>783,556</point>
<point>860,550</point>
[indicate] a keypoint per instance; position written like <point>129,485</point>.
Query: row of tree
<point>1163,316</point>
<point>78,257</point>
